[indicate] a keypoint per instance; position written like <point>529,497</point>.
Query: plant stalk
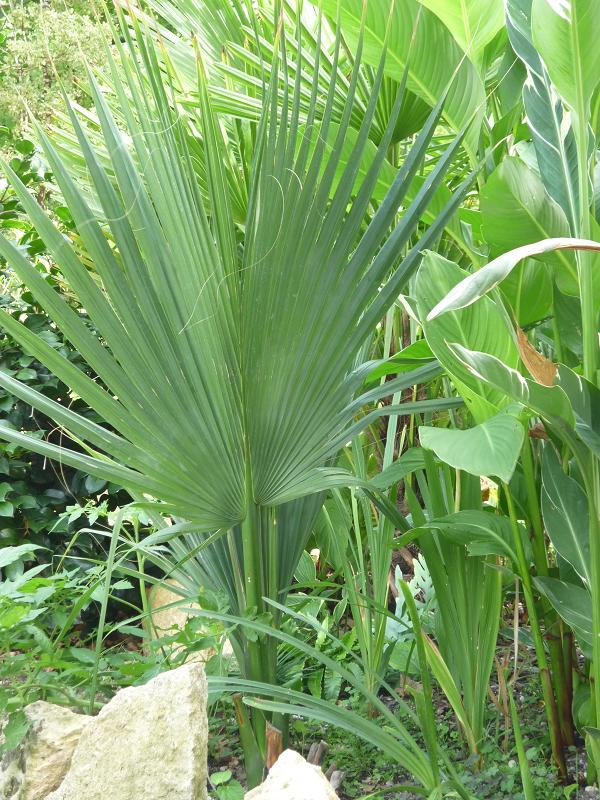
<point>540,559</point>
<point>546,681</point>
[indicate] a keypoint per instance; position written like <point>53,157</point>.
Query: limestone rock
<point>148,743</point>
<point>166,618</point>
<point>38,765</point>
<point>293,778</point>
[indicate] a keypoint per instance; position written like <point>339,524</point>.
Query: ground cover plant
<point>300,319</point>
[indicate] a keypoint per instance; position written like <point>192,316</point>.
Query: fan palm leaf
<point>225,356</point>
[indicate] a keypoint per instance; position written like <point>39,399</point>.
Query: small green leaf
<point>219,778</point>
<point>26,374</point>
<point>6,509</point>
<point>15,730</point>
<point>24,146</point>
<point>10,555</point>
<point>94,485</point>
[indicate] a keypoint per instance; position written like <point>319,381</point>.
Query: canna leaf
<point>566,36</point>
<point>473,23</point>
<point>415,33</point>
<point>566,515</point>
<point>485,326</point>
<point>476,285</point>
<point>572,603</point>
<point>553,138</point>
<point>490,448</point>
<point>550,402</point>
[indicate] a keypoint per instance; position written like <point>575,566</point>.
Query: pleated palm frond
<point>224,353</point>
<point>241,46</point>
<point>238,49</point>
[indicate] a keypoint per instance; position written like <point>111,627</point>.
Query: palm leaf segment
<point>224,354</point>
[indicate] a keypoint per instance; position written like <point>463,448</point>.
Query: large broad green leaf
<point>529,292</point>
<point>550,402</point>
<point>572,603</point>
<point>585,400</point>
<point>566,34</point>
<point>566,515</point>
<point>484,326</point>
<point>415,34</point>
<point>491,448</point>
<point>473,23</point>
<point>516,211</point>
<point>476,285</point>
<point>553,137</point>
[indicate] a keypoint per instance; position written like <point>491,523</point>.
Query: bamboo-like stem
<point>259,546</point>
<point>584,259</point>
<point>594,539</point>
<point>536,634</point>
<point>589,324</point>
<point>540,560</point>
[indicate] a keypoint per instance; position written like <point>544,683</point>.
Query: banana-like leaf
<point>485,327</point>
<point>473,23</point>
<point>476,285</point>
<point>566,36</point>
<point>553,138</point>
<point>529,292</point>
<point>414,34</point>
<point>572,603</point>
<point>481,532</point>
<point>516,211</point>
<point>549,402</point>
<point>585,400</point>
<point>227,355</point>
<point>490,448</point>
<point>566,515</point>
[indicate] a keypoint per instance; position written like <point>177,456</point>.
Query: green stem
<point>114,539</point>
<point>594,539</point>
<point>584,258</point>
<point>589,319</point>
<point>526,779</point>
<point>536,634</point>
<point>558,348</point>
<point>540,560</point>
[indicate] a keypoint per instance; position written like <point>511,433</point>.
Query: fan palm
<point>226,353</point>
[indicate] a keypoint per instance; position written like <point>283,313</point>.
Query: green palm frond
<point>225,354</point>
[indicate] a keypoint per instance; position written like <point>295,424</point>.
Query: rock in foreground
<point>293,778</point>
<point>148,743</point>
<point>38,765</point>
